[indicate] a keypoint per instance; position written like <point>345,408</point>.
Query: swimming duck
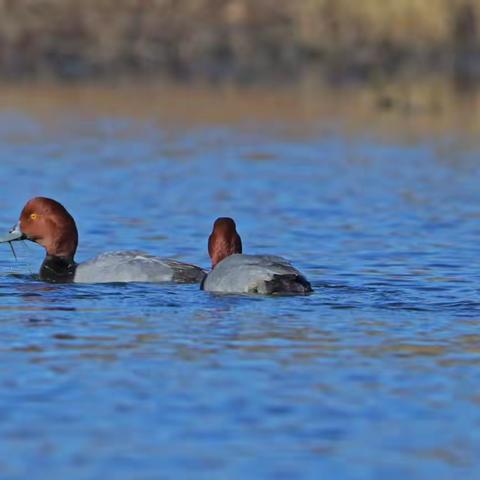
<point>234,272</point>
<point>48,223</point>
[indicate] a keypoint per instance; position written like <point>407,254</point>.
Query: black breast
<point>57,269</point>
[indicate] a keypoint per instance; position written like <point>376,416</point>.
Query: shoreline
<point>411,110</point>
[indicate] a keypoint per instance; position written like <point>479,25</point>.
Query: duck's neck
<point>57,269</point>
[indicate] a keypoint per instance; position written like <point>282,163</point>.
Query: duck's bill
<point>13,235</point>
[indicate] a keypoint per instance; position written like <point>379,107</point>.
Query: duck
<point>48,223</point>
<point>235,272</point>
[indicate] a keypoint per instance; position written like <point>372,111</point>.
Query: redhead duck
<point>48,223</point>
<point>234,272</point>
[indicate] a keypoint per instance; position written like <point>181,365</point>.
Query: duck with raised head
<point>234,272</point>
<point>48,223</point>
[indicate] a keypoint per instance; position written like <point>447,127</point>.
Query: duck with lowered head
<point>234,272</point>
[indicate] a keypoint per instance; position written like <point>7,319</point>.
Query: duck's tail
<point>290,284</point>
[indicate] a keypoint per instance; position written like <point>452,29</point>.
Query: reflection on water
<point>373,376</point>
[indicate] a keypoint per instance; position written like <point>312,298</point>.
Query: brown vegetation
<point>242,39</point>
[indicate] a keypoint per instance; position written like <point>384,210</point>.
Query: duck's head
<point>224,240</point>
<point>48,223</point>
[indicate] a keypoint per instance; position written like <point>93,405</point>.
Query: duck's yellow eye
<point>33,216</point>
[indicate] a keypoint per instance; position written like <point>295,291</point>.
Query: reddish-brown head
<point>224,240</point>
<point>48,223</point>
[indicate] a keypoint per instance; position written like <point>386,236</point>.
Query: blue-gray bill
<point>13,235</point>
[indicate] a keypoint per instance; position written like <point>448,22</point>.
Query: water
<point>373,376</point>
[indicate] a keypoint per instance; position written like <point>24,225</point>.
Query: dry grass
<point>243,38</point>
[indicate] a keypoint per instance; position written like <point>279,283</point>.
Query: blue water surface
<point>376,375</point>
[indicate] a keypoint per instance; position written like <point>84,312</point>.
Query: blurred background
<point>244,40</point>
<point>407,56</point>
<point>341,134</point>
